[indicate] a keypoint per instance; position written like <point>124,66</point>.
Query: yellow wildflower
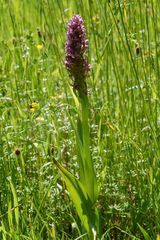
<point>40,46</point>
<point>34,107</point>
<point>158,237</point>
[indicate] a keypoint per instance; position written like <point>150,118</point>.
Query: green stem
<point>89,173</point>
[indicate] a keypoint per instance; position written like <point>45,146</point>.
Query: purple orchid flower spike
<point>76,54</point>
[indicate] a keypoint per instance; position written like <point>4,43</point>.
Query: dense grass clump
<point>37,111</point>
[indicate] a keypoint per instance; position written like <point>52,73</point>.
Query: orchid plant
<point>83,191</point>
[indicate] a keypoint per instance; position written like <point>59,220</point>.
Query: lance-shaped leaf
<point>82,202</point>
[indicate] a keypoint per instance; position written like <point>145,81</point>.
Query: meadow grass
<point>36,107</point>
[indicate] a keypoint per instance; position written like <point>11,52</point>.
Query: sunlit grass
<point>36,107</point>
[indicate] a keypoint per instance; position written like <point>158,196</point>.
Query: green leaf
<point>80,150</point>
<point>89,172</point>
<point>85,163</point>
<point>80,199</point>
<point>75,98</point>
<point>145,234</point>
<point>15,201</point>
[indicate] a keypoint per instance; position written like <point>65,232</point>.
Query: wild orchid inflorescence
<point>83,190</point>
<point>76,54</point>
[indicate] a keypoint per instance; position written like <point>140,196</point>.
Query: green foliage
<point>145,234</point>
<point>85,208</point>
<point>83,192</point>
<point>37,118</point>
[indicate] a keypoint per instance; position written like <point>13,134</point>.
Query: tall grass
<point>36,108</point>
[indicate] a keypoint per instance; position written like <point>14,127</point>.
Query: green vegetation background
<point>35,108</point>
